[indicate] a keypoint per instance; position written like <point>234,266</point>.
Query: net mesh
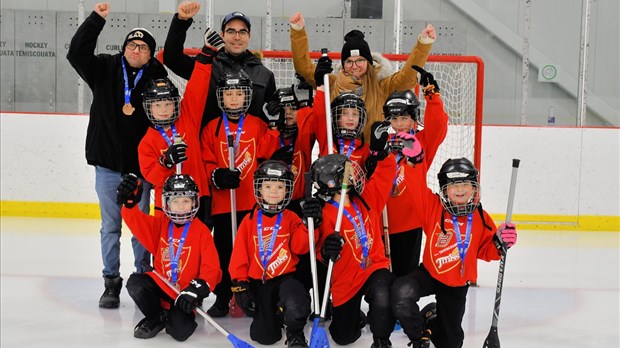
<point>460,79</point>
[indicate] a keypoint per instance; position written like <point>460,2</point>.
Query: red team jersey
<point>302,151</point>
<point>257,141</point>
<point>359,152</point>
<point>400,205</point>
<point>291,240</point>
<point>153,145</point>
<point>441,256</point>
<point>348,275</point>
<point>198,258</point>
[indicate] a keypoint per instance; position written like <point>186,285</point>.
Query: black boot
<point>111,294</point>
<point>381,343</point>
<point>422,342</point>
<point>296,339</point>
<point>219,309</point>
<point>150,327</point>
<point>429,312</point>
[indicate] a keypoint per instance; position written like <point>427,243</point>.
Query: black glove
<point>284,154</point>
<point>212,38</point>
<point>207,55</point>
<point>323,66</point>
<point>224,178</point>
<point>378,139</point>
<point>273,107</point>
<point>427,81</point>
<point>192,295</point>
<point>331,247</point>
<point>176,153</point>
<point>312,208</point>
<point>129,191</point>
<point>303,84</point>
<point>244,297</point>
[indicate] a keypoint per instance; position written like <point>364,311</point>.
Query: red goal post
<point>460,78</point>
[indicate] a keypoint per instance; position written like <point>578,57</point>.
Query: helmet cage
<point>157,90</point>
<point>180,186</point>
<point>402,103</point>
<point>238,80</point>
<point>147,103</point>
<point>272,170</point>
<point>460,209</point>
<point>348,101</point>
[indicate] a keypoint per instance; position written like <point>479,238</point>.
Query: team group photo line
<point>243,210</point>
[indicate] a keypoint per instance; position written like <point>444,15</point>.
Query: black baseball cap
<point>236,15</point>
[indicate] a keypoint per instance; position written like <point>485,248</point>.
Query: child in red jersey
<point>252,141</point>
<point>402,110</point>
<point>174,137</point>
<point>264,258</point>
<point>458,233</point>
<point>360,265</point>
<point>183,252</point>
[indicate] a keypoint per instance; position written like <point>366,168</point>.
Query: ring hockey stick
<point>234,310</point>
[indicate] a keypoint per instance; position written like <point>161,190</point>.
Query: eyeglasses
<point>233,32</point>
<point>142,48</point>
<point>358,62</point>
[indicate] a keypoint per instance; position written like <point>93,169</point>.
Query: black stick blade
<point>492,340</point>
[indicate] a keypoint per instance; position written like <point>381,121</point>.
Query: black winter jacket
<point>112,137</point>
<point>263,80</point>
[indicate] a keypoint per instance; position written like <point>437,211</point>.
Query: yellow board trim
<point>524,221</point>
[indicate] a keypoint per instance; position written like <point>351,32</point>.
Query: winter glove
<point>378,139</point>
<point>175,154</point>
<point>507,234</point>
<point>412,148</point>
<point>244,297</point>
<point>224,178</point>
<point>323,66</point>
<point>129,191</point>
<point>312,208</point>
<point>212,38</point>
<point>331,247</point>
<point>207,55</point>
<point>273,108</point>
<point>284,154</point>
<point>427,81</point>
<point>192,295</point>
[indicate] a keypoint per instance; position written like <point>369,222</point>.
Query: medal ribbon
<point>351,146</point>
<point>135,82</point>
<point>360,229</point>
<point>174,258</point>
<point>265,255</point>
<point>461,244</point>
<point>168,140</point>
<point>239,129</point>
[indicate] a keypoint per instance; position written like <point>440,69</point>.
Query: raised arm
<point>81,54</point>
<point>174,58</point>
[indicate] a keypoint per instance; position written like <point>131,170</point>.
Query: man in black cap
<point>116,125</point>
<point>236,34</point>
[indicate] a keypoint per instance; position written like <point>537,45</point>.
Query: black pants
<point>405,251</point>
<point>148,296</point>
<point>222,237</point>
<point>345,328</point>
<point>446,328</point>
<point>280,301</point>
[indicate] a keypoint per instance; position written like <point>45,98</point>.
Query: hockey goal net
<point>461,79</point>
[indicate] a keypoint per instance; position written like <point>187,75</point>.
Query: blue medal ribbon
<point>239,129</point>
<point>265,254</point>
<point>135,81</point>
<point>168,140</point>
<point>461,244</point>
<point>351,146</point>
<point>360,229</point>
<point>174,257</point>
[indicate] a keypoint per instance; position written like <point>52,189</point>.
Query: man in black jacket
<point>236,33</point>
<point>116,125</point>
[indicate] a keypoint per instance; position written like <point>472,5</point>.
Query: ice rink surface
<point>561,289</point>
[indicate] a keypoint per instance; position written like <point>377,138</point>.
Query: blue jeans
<point>106,182</point>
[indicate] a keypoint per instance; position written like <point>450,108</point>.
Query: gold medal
<point>128,109</point>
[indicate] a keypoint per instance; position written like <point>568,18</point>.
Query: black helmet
<point>236,80</point>
<point>286,98</point>
<point>272,170</point>
<point>161,90</point>
<point>348,101</point>
<point>180,185</point>
<point>328,171</point>
<point>402,103</point>
<point>459,170</point>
